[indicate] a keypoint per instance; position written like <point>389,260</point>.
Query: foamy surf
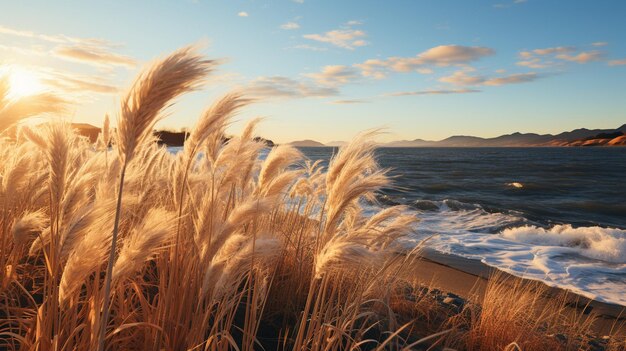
<point>590,261</point>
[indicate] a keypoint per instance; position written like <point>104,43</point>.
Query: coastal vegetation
<point>117,243</point>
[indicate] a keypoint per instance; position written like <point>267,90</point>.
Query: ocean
<point>557,215</point>
<point>552,214</point>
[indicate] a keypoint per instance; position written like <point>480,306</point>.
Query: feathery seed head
<point>153,91</point>
<point>27,227</point>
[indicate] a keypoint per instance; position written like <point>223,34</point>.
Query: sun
<point>22,82</point>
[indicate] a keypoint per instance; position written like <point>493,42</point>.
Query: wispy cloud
<point>509,4</point>
<point>59,49</point>
<point>93,55</point>
<point>461,78</point>
<point>76,84</point>
<point>243,14</point>
<point>512,79</point>
<point>26,51</point>
<point>74,87</point>
<point>343,38</point>
<point>534,62</point>
<point>349,102</point>
<point>310,47</point>
<point>334,75</point>
<point>58,38</point>
<point>284,87</point>
<point>434,92</point>
<point>583,57</point>
<point>443,55</point>
<point>554,50</point>
<point>548,57</point>
<point>290,26</point>
<point>87,50</point>
<point>354,23</point>
<point>617,62</point>
<point>600,43</point>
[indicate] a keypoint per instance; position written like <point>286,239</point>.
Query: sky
<point>328,69</point>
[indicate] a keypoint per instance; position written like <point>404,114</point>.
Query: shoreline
<point>469,278</point>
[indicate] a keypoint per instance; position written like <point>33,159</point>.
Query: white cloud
<point>354,23</point>
<point>284,87</point>
<point>93,55</point>
<point>526,54</point>
<point>443,55</point>
<point>533,63</point>
<point>58,39</point>
<point>425,70</point>
<point>555,50</point>
<point>349,102</point>
<point>512,79</point>
<point>92,51</point>
<point>583,57</point>
<point>600,43</point>
<point>507,5</point>
<point>617,62</point>
<point>243,14</point>
<point>540,58</point>
<point>461,78</point>
<point>290,26</point>
<point>334,75</point>
<point>434,92</point>
<point>33,51</point>
<point>77,84</point>
<point>310,47</point>
<point>343,38</point>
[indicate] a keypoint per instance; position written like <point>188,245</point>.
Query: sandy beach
<point>469,278</point>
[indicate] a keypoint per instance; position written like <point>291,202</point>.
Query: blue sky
<point>326,70</point>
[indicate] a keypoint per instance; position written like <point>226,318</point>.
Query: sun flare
<point>22,82</point>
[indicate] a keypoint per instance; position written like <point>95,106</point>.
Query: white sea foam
<point>605,244</point>
<point>590,261</point>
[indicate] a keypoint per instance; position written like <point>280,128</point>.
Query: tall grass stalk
<point>177,74</point>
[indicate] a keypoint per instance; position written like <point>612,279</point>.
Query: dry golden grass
<point>517,314</point>
<point>213,248</point>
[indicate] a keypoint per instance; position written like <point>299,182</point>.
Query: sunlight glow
<point>22,82</point>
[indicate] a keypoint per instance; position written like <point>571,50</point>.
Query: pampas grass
<point>154,90</point>
<point>28,227</point>
<point>177,74</point>
<point>122,244</point>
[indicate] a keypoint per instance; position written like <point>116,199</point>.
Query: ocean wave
<point>590,261</point>
<point>605,244</point>
<point>454,217</point>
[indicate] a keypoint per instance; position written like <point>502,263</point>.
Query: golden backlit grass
<point>212,248</point>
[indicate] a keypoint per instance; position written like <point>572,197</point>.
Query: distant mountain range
<point>577,137</point>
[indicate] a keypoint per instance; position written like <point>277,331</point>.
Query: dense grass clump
<point>135,247</point>
<point>123,245</point>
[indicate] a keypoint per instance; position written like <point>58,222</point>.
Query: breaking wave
<point>590,261</point>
